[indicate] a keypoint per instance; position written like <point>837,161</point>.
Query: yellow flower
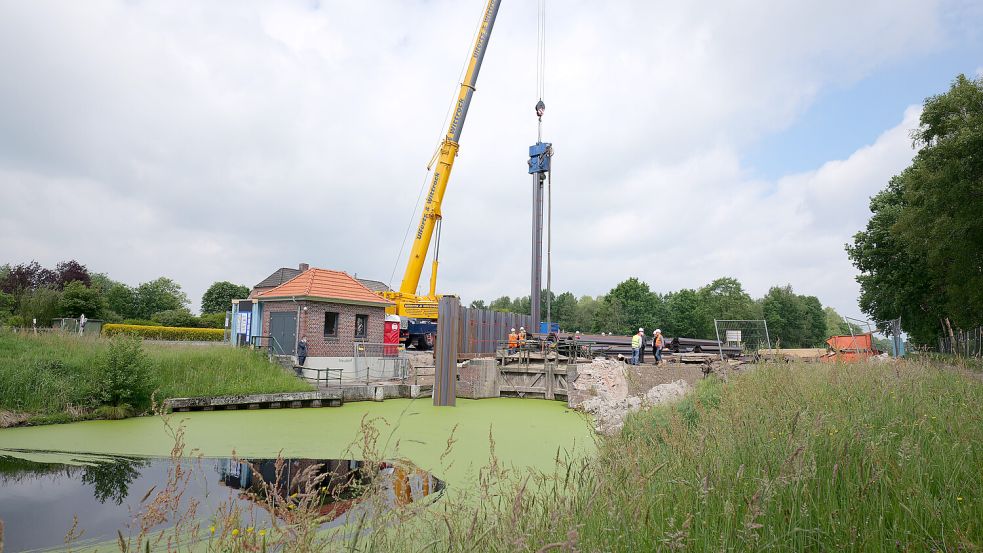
<point>211,529</point>
<point>291,506</point>
<point>959,499</point>
<point>235,532</point>
<point>249,530</point>
<point>262,532</point>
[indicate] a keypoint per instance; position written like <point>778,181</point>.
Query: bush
<point>212,320</point>
<point>123,371</point>
<point>176,317</point>
<point>141,322</point>
<point>166,332</point>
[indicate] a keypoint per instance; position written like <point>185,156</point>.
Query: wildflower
<point>249,530</point>
<point>291,506</point>
<point>262,532</point>
<point>235,531</point>
<point>211,529</point>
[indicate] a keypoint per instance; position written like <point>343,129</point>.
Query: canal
<point>527,433</point>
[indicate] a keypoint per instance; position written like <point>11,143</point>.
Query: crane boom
<point>408,303</point>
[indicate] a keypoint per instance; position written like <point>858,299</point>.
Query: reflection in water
<point>105,492</point>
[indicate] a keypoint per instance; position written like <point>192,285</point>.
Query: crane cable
<point>541,92</point>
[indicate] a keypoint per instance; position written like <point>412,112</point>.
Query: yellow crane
<point>422,309</point>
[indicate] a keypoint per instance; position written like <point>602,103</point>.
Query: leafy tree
<point>162,294</point>
<point>521,305</point>
<point>682,314</point>
<point>921,255</point>
<point>816,332</point>
<point>564,310</point>
<point>796,321</point>
<point>723,299</point>
<point>503,304</point>
<point>27,276</point>
<point>71,271</point>
<point>585,316</point>
<point>478,304</point>
<point>40,304</point>
<point>631,305</point>
<point>218,298</point>
<point>836,325</point>
<point>78,299</point>
<point>7,305</point>
<point>121,300</point>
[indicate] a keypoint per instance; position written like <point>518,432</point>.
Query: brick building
<point>332,309</point>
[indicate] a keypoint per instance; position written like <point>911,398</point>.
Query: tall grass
<point>802,457</point>
<point>55,373</point>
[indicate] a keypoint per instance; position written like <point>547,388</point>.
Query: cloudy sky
<point>210,141</point>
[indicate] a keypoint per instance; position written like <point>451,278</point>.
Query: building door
<point>283,329</point>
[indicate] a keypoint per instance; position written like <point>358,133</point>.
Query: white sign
<point>243,322</point>
<point>733,335</point>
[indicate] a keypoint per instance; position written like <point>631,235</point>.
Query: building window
<point>361,326</point>
<point>330,324</point>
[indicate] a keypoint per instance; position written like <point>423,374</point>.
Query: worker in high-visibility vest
<point>657,344</point>
<point>636,344</point>
<point>522,336</point>
<point>513,341</point>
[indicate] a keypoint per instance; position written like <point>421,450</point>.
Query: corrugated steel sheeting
<point>480,330</point>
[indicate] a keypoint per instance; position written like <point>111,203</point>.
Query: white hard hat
<point>522,328</point>
<point>658,331</point>
<point>513,330</point>
<point>641,330</point>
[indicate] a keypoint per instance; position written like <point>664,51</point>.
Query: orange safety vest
<point>513,340</point>
<point>658,341</point>
<point>522,337</point>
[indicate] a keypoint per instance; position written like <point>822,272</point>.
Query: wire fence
<point>963,343</point>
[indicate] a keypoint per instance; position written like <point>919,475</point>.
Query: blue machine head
<point>539,157</point>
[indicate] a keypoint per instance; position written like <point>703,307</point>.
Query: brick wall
<point>312,325</point>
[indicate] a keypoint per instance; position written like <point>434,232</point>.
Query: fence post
<point>445,381</point>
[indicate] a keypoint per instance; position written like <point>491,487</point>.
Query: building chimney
<point>304,267</point>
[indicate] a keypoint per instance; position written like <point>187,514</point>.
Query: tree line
<point>794,320</point>
<point>29,292</point>
<point>920,256</point>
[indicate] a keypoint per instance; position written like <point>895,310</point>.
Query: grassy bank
<point>52,377</point>
<point>800,457</point>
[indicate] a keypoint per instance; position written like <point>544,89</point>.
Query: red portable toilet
<point>390,336</point>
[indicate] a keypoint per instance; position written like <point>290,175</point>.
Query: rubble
<point>601,389</point>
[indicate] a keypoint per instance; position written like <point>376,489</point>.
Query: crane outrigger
<point>421,310</point>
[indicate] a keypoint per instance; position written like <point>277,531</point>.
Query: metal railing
<point>374,361</point>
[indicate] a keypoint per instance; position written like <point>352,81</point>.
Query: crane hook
<point>540,109</point>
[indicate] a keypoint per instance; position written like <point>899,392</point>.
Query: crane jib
<point>445,162</point>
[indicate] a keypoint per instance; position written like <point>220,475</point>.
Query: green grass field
<point>50,375</point>
<point>785,458</point>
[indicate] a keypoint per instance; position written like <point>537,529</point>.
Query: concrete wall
<point>357,370</point>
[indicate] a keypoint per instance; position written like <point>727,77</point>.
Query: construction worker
<point>513,342</point>
<point>636,345</point>
<point>657,344</point>
<point>522,336</point>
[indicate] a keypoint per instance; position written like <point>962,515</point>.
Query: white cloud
<point>207,141</point>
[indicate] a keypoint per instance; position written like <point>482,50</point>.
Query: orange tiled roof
<point>323,284</point>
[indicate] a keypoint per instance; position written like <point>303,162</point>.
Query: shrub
<point>176,317</point>
<point>141,322</point>
<point>123,372</point>
<point>166,332</point>
<point>212,320</point>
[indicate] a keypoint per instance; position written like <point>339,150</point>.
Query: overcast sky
<point>210,141</point>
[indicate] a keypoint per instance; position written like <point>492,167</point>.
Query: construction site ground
<point>644,377</point>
